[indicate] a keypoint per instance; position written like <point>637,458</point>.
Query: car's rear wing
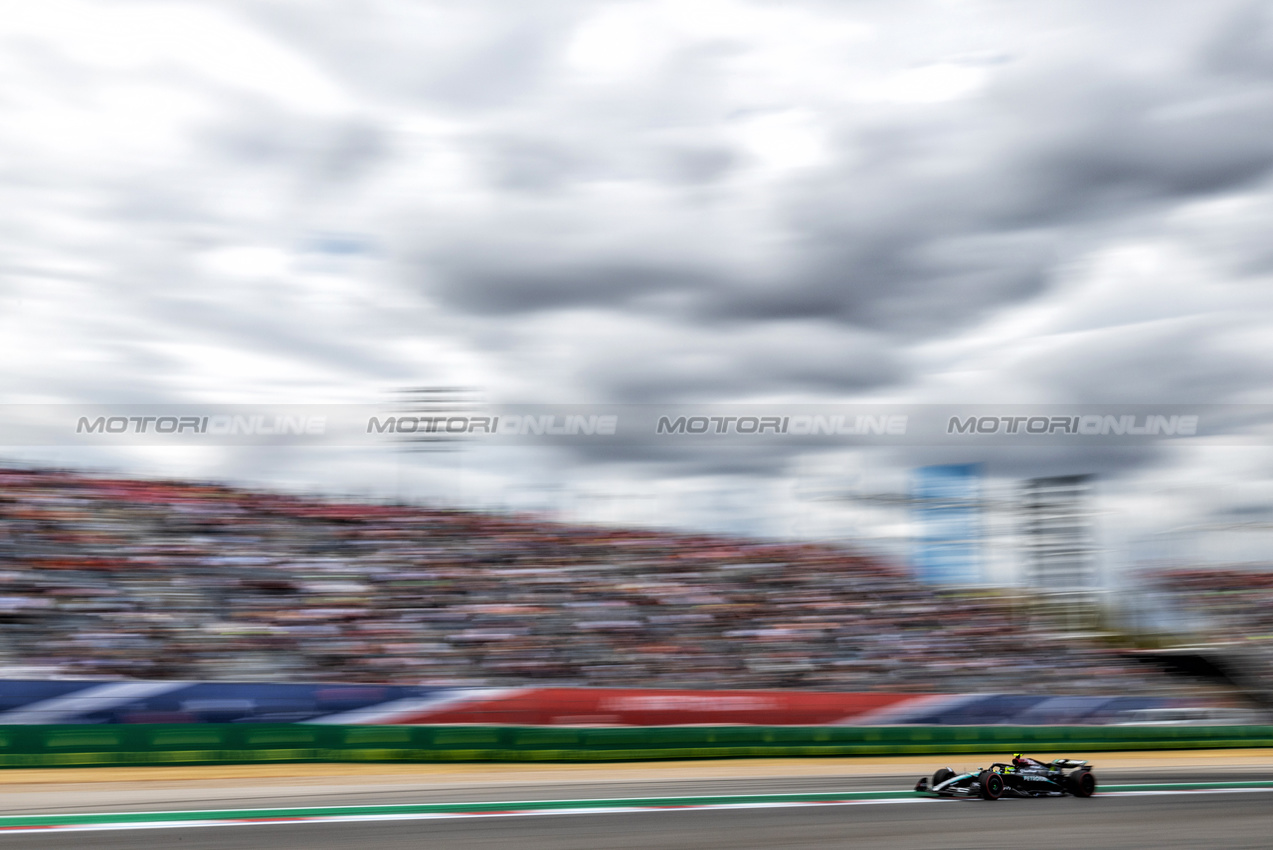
<point>1067,764</point>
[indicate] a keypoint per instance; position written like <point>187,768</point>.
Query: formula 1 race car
<point>1024,777</point>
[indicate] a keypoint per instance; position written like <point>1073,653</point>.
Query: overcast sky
<point>689,201</point>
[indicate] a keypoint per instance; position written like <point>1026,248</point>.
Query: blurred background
<point>640,203</point>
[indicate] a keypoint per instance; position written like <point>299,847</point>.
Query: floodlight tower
<point>433,405</point>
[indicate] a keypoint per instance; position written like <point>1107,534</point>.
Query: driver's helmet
<point>1019,760</point>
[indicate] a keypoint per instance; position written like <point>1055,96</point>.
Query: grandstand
<point>1226,617</point>
<point>114,577</point>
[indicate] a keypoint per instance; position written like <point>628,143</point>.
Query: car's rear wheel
<point>991,785</point>
<point>942,775</point>
<point>1082,784</point>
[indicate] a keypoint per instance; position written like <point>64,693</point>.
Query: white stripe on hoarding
<point>74,706</point>
<point>903,711</point>
<point>400,709</point>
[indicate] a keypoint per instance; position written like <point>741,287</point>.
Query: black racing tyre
<point>1082,783</point>
<point>991,785</point>
<point>941,776</point>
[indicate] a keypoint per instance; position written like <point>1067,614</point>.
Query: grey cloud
<point>907,282</point>
<point>656,461</point>
<point>506,64</point>
<point>546,165</point>
<point>924,221</point>
<point>697,164</point>
<point>1164,362</point>
<point>477,56</point>
<point>1135,147</point>
<point>931,222</point>
<point>500,284</point>
<point>1244,44</point>
<point>704,366</point>
<point>320,151</point>
<point>901,249</point>
<point>533,165</point>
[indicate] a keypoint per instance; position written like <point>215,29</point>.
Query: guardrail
<point>189,744</point>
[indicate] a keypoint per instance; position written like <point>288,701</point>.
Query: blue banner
<point>947,513</point>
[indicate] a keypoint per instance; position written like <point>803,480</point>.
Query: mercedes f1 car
<point>1024,777</point>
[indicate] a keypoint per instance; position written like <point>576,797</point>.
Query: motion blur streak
<point>1136,823</point>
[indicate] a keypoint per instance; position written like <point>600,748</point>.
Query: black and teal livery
<point>1024,777</point>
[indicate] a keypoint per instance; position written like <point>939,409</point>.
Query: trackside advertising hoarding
<point>93,702</point>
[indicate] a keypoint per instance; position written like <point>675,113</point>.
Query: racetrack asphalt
<point>1130,821</point>
<point>279,794</point>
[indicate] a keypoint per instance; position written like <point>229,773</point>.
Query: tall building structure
<point>1058,532</point>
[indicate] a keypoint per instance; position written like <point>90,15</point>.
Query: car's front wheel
<point>942,775</point>
<point>991,785</point>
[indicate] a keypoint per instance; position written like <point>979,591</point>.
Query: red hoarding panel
<point>606,706</point>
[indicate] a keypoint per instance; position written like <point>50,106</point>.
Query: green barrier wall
<point>162,744</point>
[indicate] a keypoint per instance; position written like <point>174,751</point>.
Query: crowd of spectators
<point>1226,613</point>
<point>115,577</point>
<point>1233,607</point>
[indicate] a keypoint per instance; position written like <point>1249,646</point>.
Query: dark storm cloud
<point>926,236</point>
<point>932,218</point>
<point>914,282</point>
<point>1132,144</point>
